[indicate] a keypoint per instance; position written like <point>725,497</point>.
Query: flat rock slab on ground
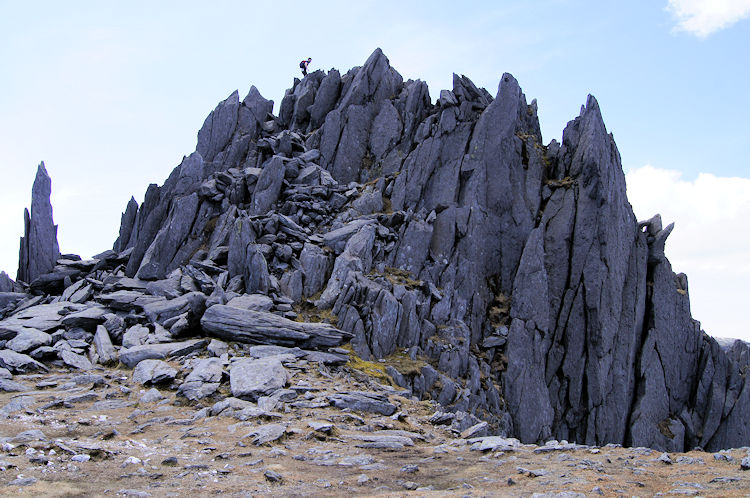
<point>363,402</point>
<point>258,327</point>
<point>153,372</point>
<point>254,378</point>
<point>132,356</point>
<point>19,363</point>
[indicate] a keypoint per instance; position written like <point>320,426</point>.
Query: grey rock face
<point>325,98</point>
<point>253,112</point>
<point>7,285</point>
<point>269,185</point>
<point>158,258</point>
<point>218,128</point>
<point>127,223</point>
<point>315,267</point>
<point>39,249</point>
<point>251,379</point>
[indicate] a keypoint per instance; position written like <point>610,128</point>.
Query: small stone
<point>267,433</point>
<point>272,476</point>
<point>664,457</point>
<point>133,492</point>
<point>410,485</point>
<point>723,456</point>
<point>410,469</point>
<point>532,472</point>
<point>170,461</point>
<point>28,436</point>
<point>362,479</point>
<point>39,460</point>
<point>477,430</point>
<point>324,427</point>
<point>23,481</point>
<point>151,396</point>
<point>81,458</point>
<point>745,464</point>
<point>131,460</point>
<point>724,479</point>
<point>276,452</point>
<point>356,461</point>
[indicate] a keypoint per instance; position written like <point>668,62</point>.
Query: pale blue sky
<point>111,94</point>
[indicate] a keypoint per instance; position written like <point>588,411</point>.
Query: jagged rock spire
<point>39,249</point>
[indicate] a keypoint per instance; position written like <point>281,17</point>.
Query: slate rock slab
<point>11,386</point>
<point>103,346</point>
<point>254,378</point>
<point>153,372</point>
<point>7,298</point>
<point>151,396</point>
<point>264,351</point>
<point>75,360</point>
<point>87,318</point>
<point>267,433</point>
<point>28,339</point>
<point>135,336</point>
<point>363,401</point>
<point>326,358</point>
<point>256,302</point>
<point>382,441</point>
<point>494,443</point>
<point>130,357</point>
<point>203,381</point>
<point>17,404</point>
<point>19,363</point>
<point>9,331</point>
<point>44,317</point>
<point>257,327</point>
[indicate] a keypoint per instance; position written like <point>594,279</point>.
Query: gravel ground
<point>98,434</point>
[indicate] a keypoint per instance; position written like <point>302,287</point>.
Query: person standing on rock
<point>303,65</point>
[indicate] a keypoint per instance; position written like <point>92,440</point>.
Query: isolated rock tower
<point>39,249</point>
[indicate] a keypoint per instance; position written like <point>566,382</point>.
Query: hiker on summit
<point>303,65</point>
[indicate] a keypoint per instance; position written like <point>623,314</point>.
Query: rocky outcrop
<point>504,278</point>
<point>39,249</point>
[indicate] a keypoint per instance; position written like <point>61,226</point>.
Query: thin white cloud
<point>710,242</point>
<point>703,17</point>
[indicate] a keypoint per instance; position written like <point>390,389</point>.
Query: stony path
<point>100,433</point>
